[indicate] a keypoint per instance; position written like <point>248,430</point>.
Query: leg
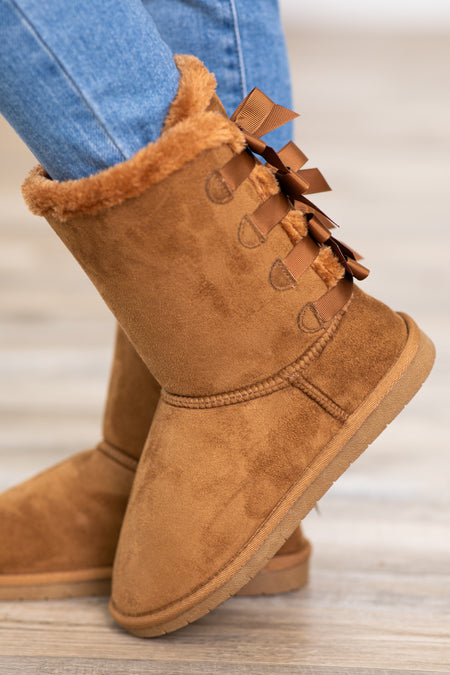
<point>84,86</point>
<point>241,42</point>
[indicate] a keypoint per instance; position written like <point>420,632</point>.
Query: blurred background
<point>384,15</point>
<point>371,81</point>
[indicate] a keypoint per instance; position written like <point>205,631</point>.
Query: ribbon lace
<point>256,115</point>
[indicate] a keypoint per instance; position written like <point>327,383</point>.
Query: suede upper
<point>133,395</point>
<point>69,517</point>
<point>259,390</point>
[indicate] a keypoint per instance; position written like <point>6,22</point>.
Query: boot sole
<point>285,572</point>
<point>387,400</point>
<point>55,585</point>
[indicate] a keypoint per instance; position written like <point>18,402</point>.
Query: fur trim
<point>189,129</point>
<point>328,267</point>
<point>264,182</point>
<point>295,226</point>
<point>195,90</point>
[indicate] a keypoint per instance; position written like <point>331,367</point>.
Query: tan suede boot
<point>277,372</point>
<point>59,530</point>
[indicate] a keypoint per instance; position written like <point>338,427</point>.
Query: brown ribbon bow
<point>256,116</point>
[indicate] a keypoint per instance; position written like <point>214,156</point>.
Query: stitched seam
<point>69,78</point>
<point>281,266</point>
<point>300,318</point>
<point>316,395</point>
<point>239,52</point>
<point>280,380</point>
<point>247,220</point>
<point>222,182</point>
<point>111,451</point>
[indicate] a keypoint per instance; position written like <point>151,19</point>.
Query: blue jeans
<point>88,83</point>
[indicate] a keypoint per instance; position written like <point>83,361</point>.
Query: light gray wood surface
<point>375,119</point>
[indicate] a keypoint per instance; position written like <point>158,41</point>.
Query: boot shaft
<point>133,395</point>
<point>176,262</point>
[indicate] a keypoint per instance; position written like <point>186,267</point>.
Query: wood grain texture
<point>375,114</point>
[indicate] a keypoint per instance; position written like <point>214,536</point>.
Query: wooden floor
<point>375,118</point>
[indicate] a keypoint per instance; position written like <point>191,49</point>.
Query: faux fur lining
<point>264,182</point>
<point>328,267</point>
<point>195,90</point>
<point>295,226</point>
<point>189,129</point>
